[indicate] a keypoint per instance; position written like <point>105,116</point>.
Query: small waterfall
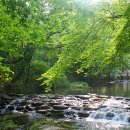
<point>91,112</point>
<point>114,111</point>
<point>113,115</point>
<point>5,109</point>
<point>18,100</point>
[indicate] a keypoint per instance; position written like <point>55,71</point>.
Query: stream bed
<point>88,112</point>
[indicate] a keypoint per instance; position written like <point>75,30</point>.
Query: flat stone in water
<point>45,106</point>
<point>44,111</point>
<point>83,96</point>
<point>102,96</point>
<point>97,99</point>
<point>83,114</point>
<point>29,108</point>
<point>53,103</point>
<point>69,105</point>
<point>93,107</point>
<point>23,103</point>
<point>127,99</point>
<point>76,108</point>
<point>35,104</point>
<point>119,98</point>
<point>60,107</point>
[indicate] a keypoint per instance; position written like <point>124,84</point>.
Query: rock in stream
<point>90,107</point>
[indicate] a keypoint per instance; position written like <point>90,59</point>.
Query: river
<point>113,88</point>
<point>102,106</point>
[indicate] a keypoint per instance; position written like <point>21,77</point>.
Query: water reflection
<point>115,88</point>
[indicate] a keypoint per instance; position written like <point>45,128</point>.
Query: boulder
<point>83,96</point>
<point>70,112</point>
<point>83,114</point>
<point>36,104</point>
<point>67,104</point>
<point>60,107</point>
<point>22,103</point>
<point>19,108</point>
<point>29,108</point>
<point>110,115</point>
<point>127,99</point>
<point>119,98</point>
<point>102,96</point>
<point>41,111</point>
<point>87,108</point>
<point>76,108</point>
<point>53,103</point>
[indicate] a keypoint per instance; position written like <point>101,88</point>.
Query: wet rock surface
<point>73,107</point>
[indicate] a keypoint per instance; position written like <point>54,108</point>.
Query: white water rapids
<point>89,112</point>
<point>115,115</point>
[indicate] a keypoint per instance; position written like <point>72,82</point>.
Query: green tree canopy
<point>94,41</point>
<point>63,36</point>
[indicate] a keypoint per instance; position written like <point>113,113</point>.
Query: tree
<point>60,36</point>
<point>25,27</point>
<point>91,44</point>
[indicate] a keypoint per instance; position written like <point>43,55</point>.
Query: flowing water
<point>114,115</point>
<point>110,112</point>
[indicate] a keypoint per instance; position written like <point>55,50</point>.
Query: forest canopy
<point>47,41</point>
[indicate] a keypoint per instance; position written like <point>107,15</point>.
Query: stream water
<point>112,117</point>
<point>113,88</point>
<point>89,112</point>
<point>99,120</point>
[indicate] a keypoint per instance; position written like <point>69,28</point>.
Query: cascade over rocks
<point>90,106</point>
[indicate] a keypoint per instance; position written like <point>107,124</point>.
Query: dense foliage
<point>57,40</point>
